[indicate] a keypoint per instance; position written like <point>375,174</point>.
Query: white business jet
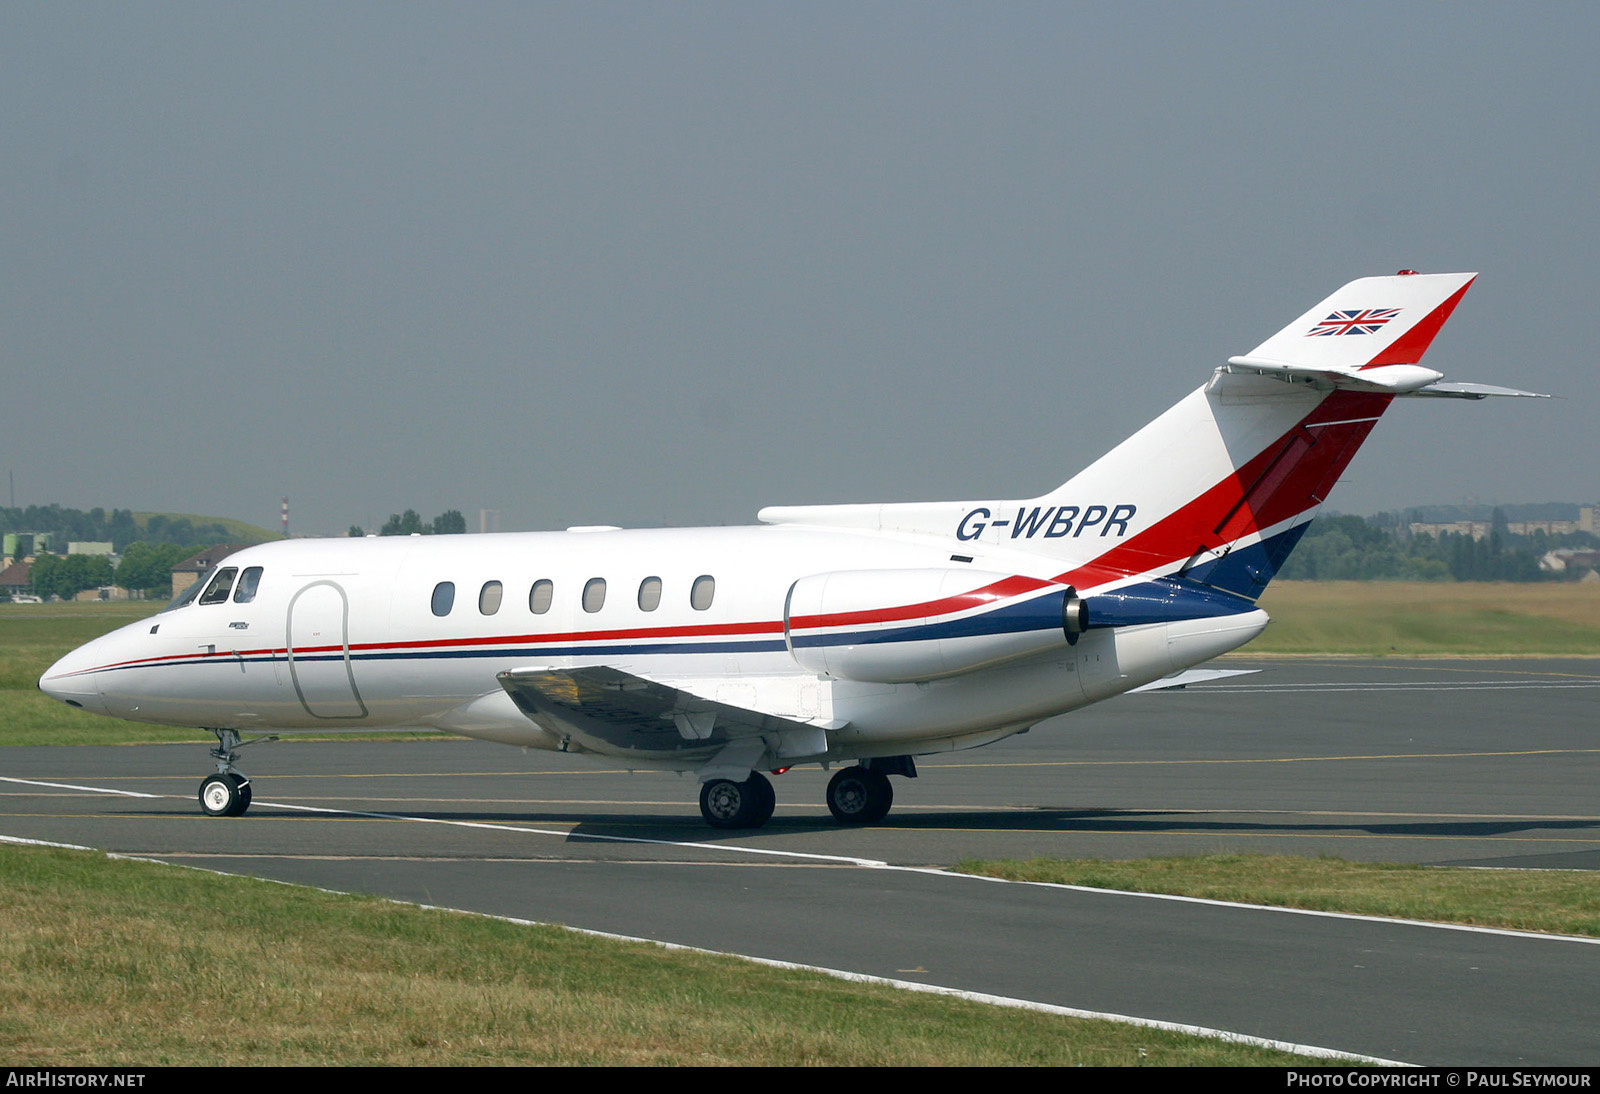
<point>862,635</point>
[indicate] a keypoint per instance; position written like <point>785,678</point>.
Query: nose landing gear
<point>227,793</point>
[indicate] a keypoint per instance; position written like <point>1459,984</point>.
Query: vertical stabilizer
<point>1225,483</point>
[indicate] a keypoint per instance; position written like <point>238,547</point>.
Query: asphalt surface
<point>1451,762</point>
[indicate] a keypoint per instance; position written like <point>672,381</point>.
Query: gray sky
<point>645,264</point>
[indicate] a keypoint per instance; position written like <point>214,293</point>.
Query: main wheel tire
<point>727,804</point>
<point>859,795</point>
<point>724,803</point>
<point>765,799</point>
<point>225,795</point>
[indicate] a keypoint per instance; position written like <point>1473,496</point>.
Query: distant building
<point>1569,560</point>
<point>1481,529</point>
<point>24,544</point>
<point>15,579</point>
<point>104,592</point>
<point>188,571</point>
<point>89,547</point>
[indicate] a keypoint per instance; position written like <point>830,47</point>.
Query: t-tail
<point>1219,489</point>
<point>1199,509</point>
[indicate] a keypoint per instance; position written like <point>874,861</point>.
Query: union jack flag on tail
<point>1364,321</point>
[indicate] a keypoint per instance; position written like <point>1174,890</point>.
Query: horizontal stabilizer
<point>1472,391</point>
<point>1389,380</point>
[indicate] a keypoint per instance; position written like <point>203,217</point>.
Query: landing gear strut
<point>727,804</point>
<point>227,793</point>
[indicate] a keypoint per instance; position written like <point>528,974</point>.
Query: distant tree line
<point>410,523</point>
<point>145,568</point>
<point>118,527</point>
<point>1381,547</point>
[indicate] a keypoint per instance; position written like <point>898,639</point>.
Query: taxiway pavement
<point>1458,762</point>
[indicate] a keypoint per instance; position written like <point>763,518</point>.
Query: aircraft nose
<point>72,681</point>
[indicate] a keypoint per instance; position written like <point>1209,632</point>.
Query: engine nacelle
<point>896,626</point>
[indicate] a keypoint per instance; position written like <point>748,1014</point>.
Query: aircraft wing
<point>611,711</point>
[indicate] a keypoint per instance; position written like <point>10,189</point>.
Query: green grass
<point>1561,902</point>
<point>32,637</point>
<point>1420,619</point>
<point>120,963</point>
<point>240,531</point>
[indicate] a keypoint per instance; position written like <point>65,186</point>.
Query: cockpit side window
<point>249,581</point>
<point>221,585</point>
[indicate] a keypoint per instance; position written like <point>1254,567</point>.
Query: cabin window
<point>249,581</point>
<point>540,596</point>
<point>594,594</point>
<point>489,597</point>
<point>221,585</point>
<point>444,597</point>
<point>702,592</point>
<point>650,594</point>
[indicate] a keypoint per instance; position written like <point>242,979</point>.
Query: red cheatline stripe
<point>1410,346</point>
<point>707,630</point>
<point>1339,424</point>
<point>977,598</point>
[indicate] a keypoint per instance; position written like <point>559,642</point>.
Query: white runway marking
<point>1398,685</point>
<point>864,863</point>
<point>89,789</point>
<point>840,974</point>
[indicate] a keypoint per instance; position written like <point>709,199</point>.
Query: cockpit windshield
<point>190,591</point>
<point>220,586</point>
<point>213,587</point>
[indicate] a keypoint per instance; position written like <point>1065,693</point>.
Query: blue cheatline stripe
<point>762,646</point>
<point>1246,570</point>
<point>1036,614</point>
<point>1163,600</point>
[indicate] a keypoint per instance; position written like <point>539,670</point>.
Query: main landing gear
<point>856,795</point>
<point>859,795</point>
<point>727,804</point>
<point>227,793</point>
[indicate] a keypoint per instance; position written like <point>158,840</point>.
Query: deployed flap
<point>612,711</point>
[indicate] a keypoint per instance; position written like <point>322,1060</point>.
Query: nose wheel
<point>227,793</point>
